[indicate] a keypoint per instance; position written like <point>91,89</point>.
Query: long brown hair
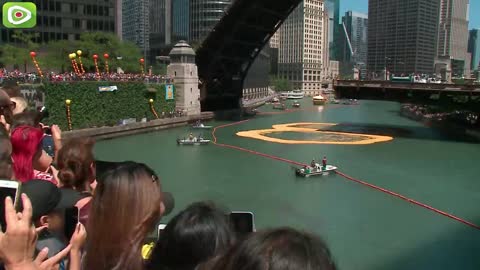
<point>125,207</point>
<point>74,162</point>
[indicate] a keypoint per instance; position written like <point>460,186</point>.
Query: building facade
<point>66,20</point>
<point>303,50</point>
<point>402,36</point>
<point>180,20</point>
<point>204,15</point>
<point>355,43</point>
<point>474,48</point>
<point>275,40</point>
<point>136,23</point>
<point>332,8</point>
<point>453,35</point>
<point>161,21</point>
<point>160,28</point>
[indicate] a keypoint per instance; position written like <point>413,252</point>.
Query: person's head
<point>6,106</point>
<point>76,164</point>
<point>277,249</point>
<point>48,204</point>
<point>126,205</point>
<point>196,234</point>
<point>6,171</point>
<point>27,118</point>
<point>27,152</point>
<point>21,104</point>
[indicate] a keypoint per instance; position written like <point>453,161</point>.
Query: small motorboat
<point>350,102</point>
<point>334,101</point>
<point>319,100</point>
<point>315,171</point>
<point>194,141</point>
<point>275,100</point>
<point>296,104</point>
<point>279,106</point>
<point>200,126</point>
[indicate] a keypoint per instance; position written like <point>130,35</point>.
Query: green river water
<point>365,228</point>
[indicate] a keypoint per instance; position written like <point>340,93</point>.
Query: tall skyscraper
<point>204,15</point>
<point>66,20</point>
<point>151,33</point>
<point>161,21</point>
<point>332,8</point>
<point>181,20</point>
<point>160,28</point>
<point>303,52</point>
<point>453,34</point>
<point>402,36</point>
<point>136,23</point>
<point>474,48</point>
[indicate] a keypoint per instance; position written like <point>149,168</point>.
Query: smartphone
<point>47,145</point>
<point>161,227</point>
<point>7,188</point>
<point>71,221</point>
<point>243,222</point>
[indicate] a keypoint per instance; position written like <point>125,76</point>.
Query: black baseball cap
<point>46,197</point>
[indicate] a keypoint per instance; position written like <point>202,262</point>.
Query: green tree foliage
<point>125,55</point>
<point>54,55</point>
<point>91,108</point>
<point>19,54</point>
<point>280,84</point>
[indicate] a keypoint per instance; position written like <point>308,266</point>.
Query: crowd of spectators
<point>118,205</point>
<point>32,77</point>
<point>429,114</point>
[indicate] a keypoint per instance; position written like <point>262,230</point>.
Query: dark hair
<point>12,90</point>
<point>195,235</point>
<point>6,106</point>
<point>28,118</point>
<point>5,154</point>
<point>125,207</point>
<point>278,249</point>
<point>75,159</point>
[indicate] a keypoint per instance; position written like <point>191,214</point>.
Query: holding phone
<point>243,222</point>
<point>71,221</point>
<point>8,188</point>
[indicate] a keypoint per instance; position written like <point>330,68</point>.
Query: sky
<point>362,6</point>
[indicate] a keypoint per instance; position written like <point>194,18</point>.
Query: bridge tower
<point>184,71</point>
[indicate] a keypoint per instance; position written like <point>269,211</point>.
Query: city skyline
<point>362,6</point>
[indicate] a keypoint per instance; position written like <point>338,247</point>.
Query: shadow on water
<point>396,131</point>
<point>457,249</point>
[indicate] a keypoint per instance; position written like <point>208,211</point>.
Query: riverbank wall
<point>104,133</point>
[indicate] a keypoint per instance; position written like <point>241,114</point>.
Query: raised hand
<point>17,244</point>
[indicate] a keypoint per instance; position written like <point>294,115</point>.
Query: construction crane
<point>352,52</point>
<point>348,41</point>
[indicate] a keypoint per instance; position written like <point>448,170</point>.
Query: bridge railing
<point>406,85</point>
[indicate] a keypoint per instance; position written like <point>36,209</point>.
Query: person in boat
<point>313,164</point>
<point>190,137</point>
<point>324,162</point>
